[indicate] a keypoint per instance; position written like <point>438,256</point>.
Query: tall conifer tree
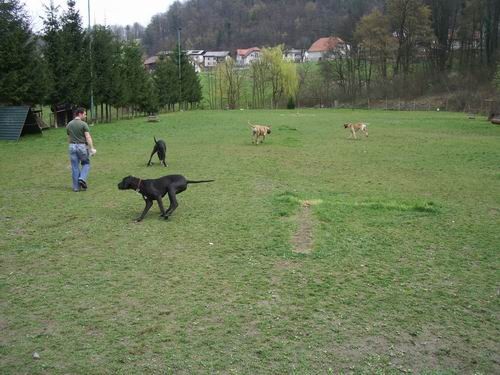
<point>22,78</point>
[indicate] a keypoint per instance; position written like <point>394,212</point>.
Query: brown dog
<point>259,131</point>
<point>354,127</point>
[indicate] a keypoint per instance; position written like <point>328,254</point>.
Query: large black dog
<point>156,189</point>
<point>159,148</point>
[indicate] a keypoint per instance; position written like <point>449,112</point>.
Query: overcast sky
<point>103,12</point>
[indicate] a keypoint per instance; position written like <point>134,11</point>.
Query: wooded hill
<point>232,24</point>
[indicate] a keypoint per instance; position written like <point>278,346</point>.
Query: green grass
<point>402,273</point>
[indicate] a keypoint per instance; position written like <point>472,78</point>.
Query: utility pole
<point>91,78</point>
<point>180,75</point>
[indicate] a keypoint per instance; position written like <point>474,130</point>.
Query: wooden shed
<point>63,114</point>
<point>16,121</point>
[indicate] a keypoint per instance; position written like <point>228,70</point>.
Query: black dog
<point>156,189</point>
<point>161,149</point>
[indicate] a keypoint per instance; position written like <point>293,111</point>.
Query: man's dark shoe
<point>83,184</point>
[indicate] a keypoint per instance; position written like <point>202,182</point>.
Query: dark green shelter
<point>16,121</point>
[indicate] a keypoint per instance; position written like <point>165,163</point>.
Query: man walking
<point>81,148</point>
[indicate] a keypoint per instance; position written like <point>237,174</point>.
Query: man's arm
<point>90,144</point>
<point>88,138</point>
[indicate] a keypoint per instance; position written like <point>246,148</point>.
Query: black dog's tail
<point>198,182</point>
<point>155,139</point>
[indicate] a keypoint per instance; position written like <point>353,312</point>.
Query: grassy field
<point>310,254</point>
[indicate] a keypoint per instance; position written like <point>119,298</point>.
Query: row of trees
<point>68,65</point>
<point>271,79</point>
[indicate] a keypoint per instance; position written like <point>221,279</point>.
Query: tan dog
<point>259,131</point>
<point>355,127</point>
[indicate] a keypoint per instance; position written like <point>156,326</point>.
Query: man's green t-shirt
<point>76,130</point>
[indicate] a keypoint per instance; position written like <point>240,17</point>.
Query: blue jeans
<point>78,154</point>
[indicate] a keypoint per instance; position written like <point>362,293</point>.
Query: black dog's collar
<point>138,186</point>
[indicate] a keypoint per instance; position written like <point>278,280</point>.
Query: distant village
<point>206,60</point>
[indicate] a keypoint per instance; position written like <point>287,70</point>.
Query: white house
<point>212,58</point>
<point>294,55</point>
<point>195,57</point>
<point>323,48</point>
<point>246,56</point>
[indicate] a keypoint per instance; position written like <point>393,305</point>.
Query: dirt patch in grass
<point>494,211</point>
<point>284,264</point>
<point>302,239</point>
<point>410,353</point>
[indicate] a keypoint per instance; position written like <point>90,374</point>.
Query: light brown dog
<point>354,127</point>
<point>259,131</point>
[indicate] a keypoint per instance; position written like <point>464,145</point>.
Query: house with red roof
<point>325,48</point>
<point>246,56</point>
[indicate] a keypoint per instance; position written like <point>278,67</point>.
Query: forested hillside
<point>231,24</point>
